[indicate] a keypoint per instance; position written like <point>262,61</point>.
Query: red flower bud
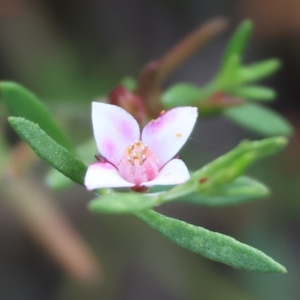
<point>129,101</point>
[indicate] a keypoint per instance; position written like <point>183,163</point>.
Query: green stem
<point>175,193</point>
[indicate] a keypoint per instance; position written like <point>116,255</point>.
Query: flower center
<point>139,164</point>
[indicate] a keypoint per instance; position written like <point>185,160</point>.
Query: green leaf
<point>181,94</point>
<point>254,150</point>
<point>228,76</point>
<point>259,119</point>
<point>86,152</point>
<point>49,150</point>
<point>120,203</point>
<point>210,179</point>
<point>22,103</point>
<point>258,70</point>
<point>212,245</point>
<point>238,42</point>
<point>255,92</point>
<point>240,190</point>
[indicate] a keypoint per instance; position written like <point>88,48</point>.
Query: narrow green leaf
<point>259,119</point>
<point>210,179</point>
<point>212,245</point>
<point>22,103</point>
<point>120,203</point>
<point>49,150</point>
<point>181,94</point>
<point>86,152</point>
<point>240,190</point>
<point>228,173</point>
<point>256,149</point>
<point>255,92</point>
<point>258,70</point>
<point>238,42</point>
<point>228,76</point>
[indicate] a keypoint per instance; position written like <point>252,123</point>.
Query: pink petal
<point>167,134</point>
<point>104,175</point>
<point>174,172</point>
<point>114,130</point>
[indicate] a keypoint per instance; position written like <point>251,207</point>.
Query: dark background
<point>72,52</point>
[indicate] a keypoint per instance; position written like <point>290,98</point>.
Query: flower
<point>135,160</point>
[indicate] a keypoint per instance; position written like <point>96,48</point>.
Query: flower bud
<point>129,101</point>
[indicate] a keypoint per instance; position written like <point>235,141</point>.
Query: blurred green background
<point>72,52</point>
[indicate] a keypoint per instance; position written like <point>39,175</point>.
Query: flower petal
<point>174,172</point>
<point>104,175</point>
<point>169,132</point>
<point>114,130</point>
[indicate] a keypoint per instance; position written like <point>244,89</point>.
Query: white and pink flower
<point>135,160</point>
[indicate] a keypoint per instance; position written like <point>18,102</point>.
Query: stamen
<point>139,164</point>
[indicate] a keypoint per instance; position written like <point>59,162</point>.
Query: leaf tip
<point>280,269</point>
<point>283,270</point>
<point>248,24</point>
<point>282,141</point>
<point>276,64</point>
<point>265,191</point>
<point>4,83</point>
<point>12,119</point>
<point>276,268</point>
